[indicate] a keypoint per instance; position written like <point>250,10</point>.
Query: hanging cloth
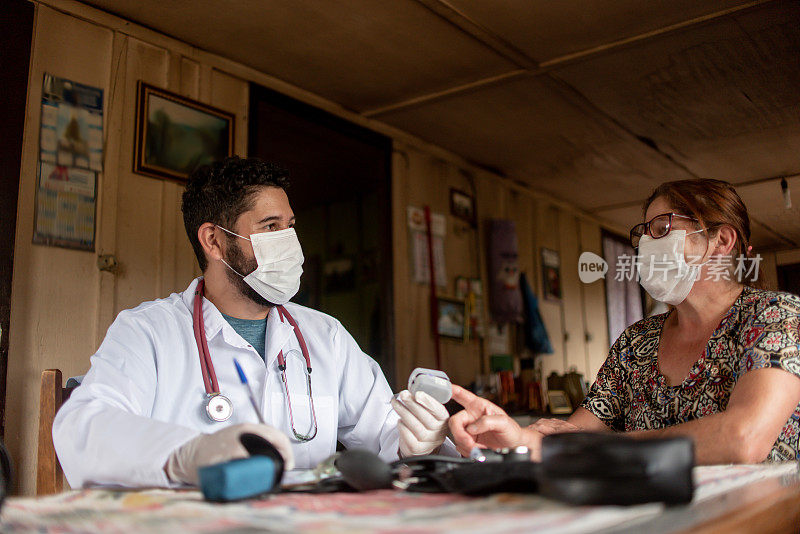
<point>505,302</point>
<point>536,338</point>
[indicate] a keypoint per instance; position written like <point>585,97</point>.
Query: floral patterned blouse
<point>762,329</point>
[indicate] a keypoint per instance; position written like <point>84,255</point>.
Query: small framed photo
<point>451,319</point>
<point>551,275</point>
<point>462,205</point>
<point>175,134</point>
<point>558,402</point>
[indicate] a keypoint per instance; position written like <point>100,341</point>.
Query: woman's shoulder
<point>643,329</point>
<point>762,302</point>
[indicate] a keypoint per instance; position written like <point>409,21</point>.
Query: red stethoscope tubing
<point>207,367</point>
<point>209,376</point>
<point>284,314</point>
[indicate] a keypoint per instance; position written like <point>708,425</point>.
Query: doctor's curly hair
<point>218,193</point>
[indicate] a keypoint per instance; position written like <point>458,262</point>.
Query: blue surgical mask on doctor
<point>280,264</point>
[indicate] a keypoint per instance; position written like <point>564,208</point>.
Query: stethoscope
<point>219,407</point>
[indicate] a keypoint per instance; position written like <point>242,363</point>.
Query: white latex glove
<point>423,423</point>
<point>222,446</point>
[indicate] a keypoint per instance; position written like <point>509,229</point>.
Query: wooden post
<point>48,470</point>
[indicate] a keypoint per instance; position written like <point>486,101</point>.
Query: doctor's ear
<point>210,240</point>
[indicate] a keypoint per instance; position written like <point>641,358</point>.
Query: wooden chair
<point>49,476</point>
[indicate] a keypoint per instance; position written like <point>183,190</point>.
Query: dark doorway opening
<point>341,195</point>
<point>16,31</point>
<point>789,278</point>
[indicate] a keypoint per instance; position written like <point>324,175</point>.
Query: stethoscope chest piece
<point>219,407</point>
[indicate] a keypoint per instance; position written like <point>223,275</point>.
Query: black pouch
<point>578,468</point>
<point>591,468</point>
<point>489,477</point>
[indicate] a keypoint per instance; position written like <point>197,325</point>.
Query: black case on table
<point>589,468</point>
<point>579,468</point>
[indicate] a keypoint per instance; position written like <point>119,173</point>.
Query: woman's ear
<point>207,235</point>
<point>726,240</point>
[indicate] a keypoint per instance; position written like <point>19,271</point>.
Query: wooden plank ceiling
<point>592,101</point>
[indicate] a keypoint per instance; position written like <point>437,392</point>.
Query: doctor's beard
<point>238,261</point>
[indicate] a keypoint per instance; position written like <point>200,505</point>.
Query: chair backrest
<point>49,477</point>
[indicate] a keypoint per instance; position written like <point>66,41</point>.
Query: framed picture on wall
<point>551,274</point>
<point>175,134</point>
<point>462,205</point>
<point>451,320</point>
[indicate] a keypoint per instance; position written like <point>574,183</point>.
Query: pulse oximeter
<point>434,383</point>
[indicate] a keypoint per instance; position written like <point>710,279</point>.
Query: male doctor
<point>163,398</point>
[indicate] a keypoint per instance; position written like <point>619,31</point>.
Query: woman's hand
<point>553,426</point>
<point>485,425</point>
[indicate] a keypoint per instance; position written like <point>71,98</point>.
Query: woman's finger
<point>477,406</point>
<point>503,427</point>
<point>463,396</point>
<point>464,441</point>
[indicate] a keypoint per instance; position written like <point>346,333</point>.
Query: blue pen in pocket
<point>250,394</point>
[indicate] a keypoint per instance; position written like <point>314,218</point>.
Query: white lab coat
<point>144,396</point>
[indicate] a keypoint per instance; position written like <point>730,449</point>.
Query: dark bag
<point>488,477</point>
<point>588,468</point>
<point>579,468</point>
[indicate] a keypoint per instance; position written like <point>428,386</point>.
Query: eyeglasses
<point>657,227</point>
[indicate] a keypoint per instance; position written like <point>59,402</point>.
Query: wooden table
<point>765,506</point>
<point>728,499</point>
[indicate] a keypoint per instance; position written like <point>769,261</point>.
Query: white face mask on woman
<point>280,264</point>
<point>663,271</point>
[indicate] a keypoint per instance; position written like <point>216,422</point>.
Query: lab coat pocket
<point>307,453</point>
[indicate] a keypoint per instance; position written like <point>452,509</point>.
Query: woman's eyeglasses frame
<point>644,228</point>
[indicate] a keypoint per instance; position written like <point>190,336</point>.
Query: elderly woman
<point>722,366</point>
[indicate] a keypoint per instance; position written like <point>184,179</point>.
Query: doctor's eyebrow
<point>273,218</point>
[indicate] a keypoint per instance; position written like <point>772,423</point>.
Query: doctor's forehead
<point>267,203</point>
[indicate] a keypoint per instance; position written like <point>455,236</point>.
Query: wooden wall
<point>577,325</point>
<point>62,304</point>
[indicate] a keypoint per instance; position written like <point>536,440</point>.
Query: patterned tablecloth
<point>386,511</point>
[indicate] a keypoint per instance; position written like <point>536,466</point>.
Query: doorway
<point>341,194</point>
<point>789,278</point>
<point>625,300</point>
<point>16,33</point>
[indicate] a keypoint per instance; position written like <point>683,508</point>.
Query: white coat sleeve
<point>366,418</point>
<point>104,434</point>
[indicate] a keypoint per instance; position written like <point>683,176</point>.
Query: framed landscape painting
<point>451,320</point>
<point>175,134</point>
